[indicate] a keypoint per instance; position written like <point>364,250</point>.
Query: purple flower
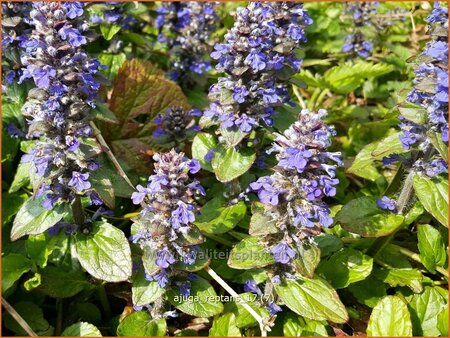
<point>194,166</point>
<point>185,288</point>
<point>182,215</point>
<point>72,35</point>
<point>73,143</point>
<point>49,201</point>
<point>297,158</point>
<point>387,203</point>
<point>79,181</point>
<point>164,258</point>
<point>282,253</point>
<point>138,196</point>
<point>239,94</point>
<point>256,60</point>
<point>273,309</point>
<point>251,286</point>
<point>160,277</point>
<point>245,123</point>
<point>74,9</point>
<point>156,182</point>
<point>266,192</point>
<point>42,76</point>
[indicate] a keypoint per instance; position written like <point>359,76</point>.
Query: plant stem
<point>238,235</point>
<point>218,239</point>
<point>109,153</point>
<point>321,97</point>
<point>18,318</point>
<point>416,257</point>
<point>101,292</point>
<point>77,211</point>
<point>407,192</point>
<point>263,324</point>
<point>299,97</point>
<point>59,316</point>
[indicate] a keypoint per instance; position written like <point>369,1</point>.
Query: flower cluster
<point>113,13</point>
<point>165,225</point>
<point>257,56</point>
<point>57,108</point>
<point>14,29</point>
<point>293,195</point>
<point>430,92</point>
<point>186,28</point>
<point>176,125</point>
<point>361,13</point>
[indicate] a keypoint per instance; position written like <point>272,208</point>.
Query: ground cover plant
<point>224,169</point>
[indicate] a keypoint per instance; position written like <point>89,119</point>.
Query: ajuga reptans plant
<point>57,109</point>
<point>186,28</point>
<point>428,124</point>
<point>14,30</point>
<point>175,126</point>
<point>293,196</point>
<point>361,14</point>
<point>257,57</point>
<point>164,229</point>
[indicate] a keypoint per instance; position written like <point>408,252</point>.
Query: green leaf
<point>249,253</point>
<point>347,77</point>
<point>433,194</point>
<point>102,112</point>
<point>105,253</point>
<point>88,312</point>
<point>140,88</point>
<point>81,329</point>
<point>363,165</point>
<point>296,326</point>
<point>143,291</point>
<point>229,163</point>
<point>140,324</point>
<point>224,326</point>
<point>431,247</point>
<point>442,323</point>
<point>390,318</point>
<point>113,62</point>
<point>102,185</point>
<point>58,283</point>
<point>13,267</point>
<point>362,216</point>
<point>233,136</point>
<point>441,147</point>
<point>243,318</point>
<point>203,300</point>
<point>312,298</point>
<point>33,282</point>
<point>21,178</point>
<point>260,223</point>
<point>425,308</point>
<point>411,278</point>
<point>11,204</point>
<point>33,315</point>
<point>39,247</point>
<point>414,113</point>
<point>307,259</point>
<point>33,218</point>
<point>201,144</point>
<point>108,30</point>
<point>346,267</point>
<point>217,218</point>
<point>368,291</point>
<point>328,244</point>
<point>387,146</point>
